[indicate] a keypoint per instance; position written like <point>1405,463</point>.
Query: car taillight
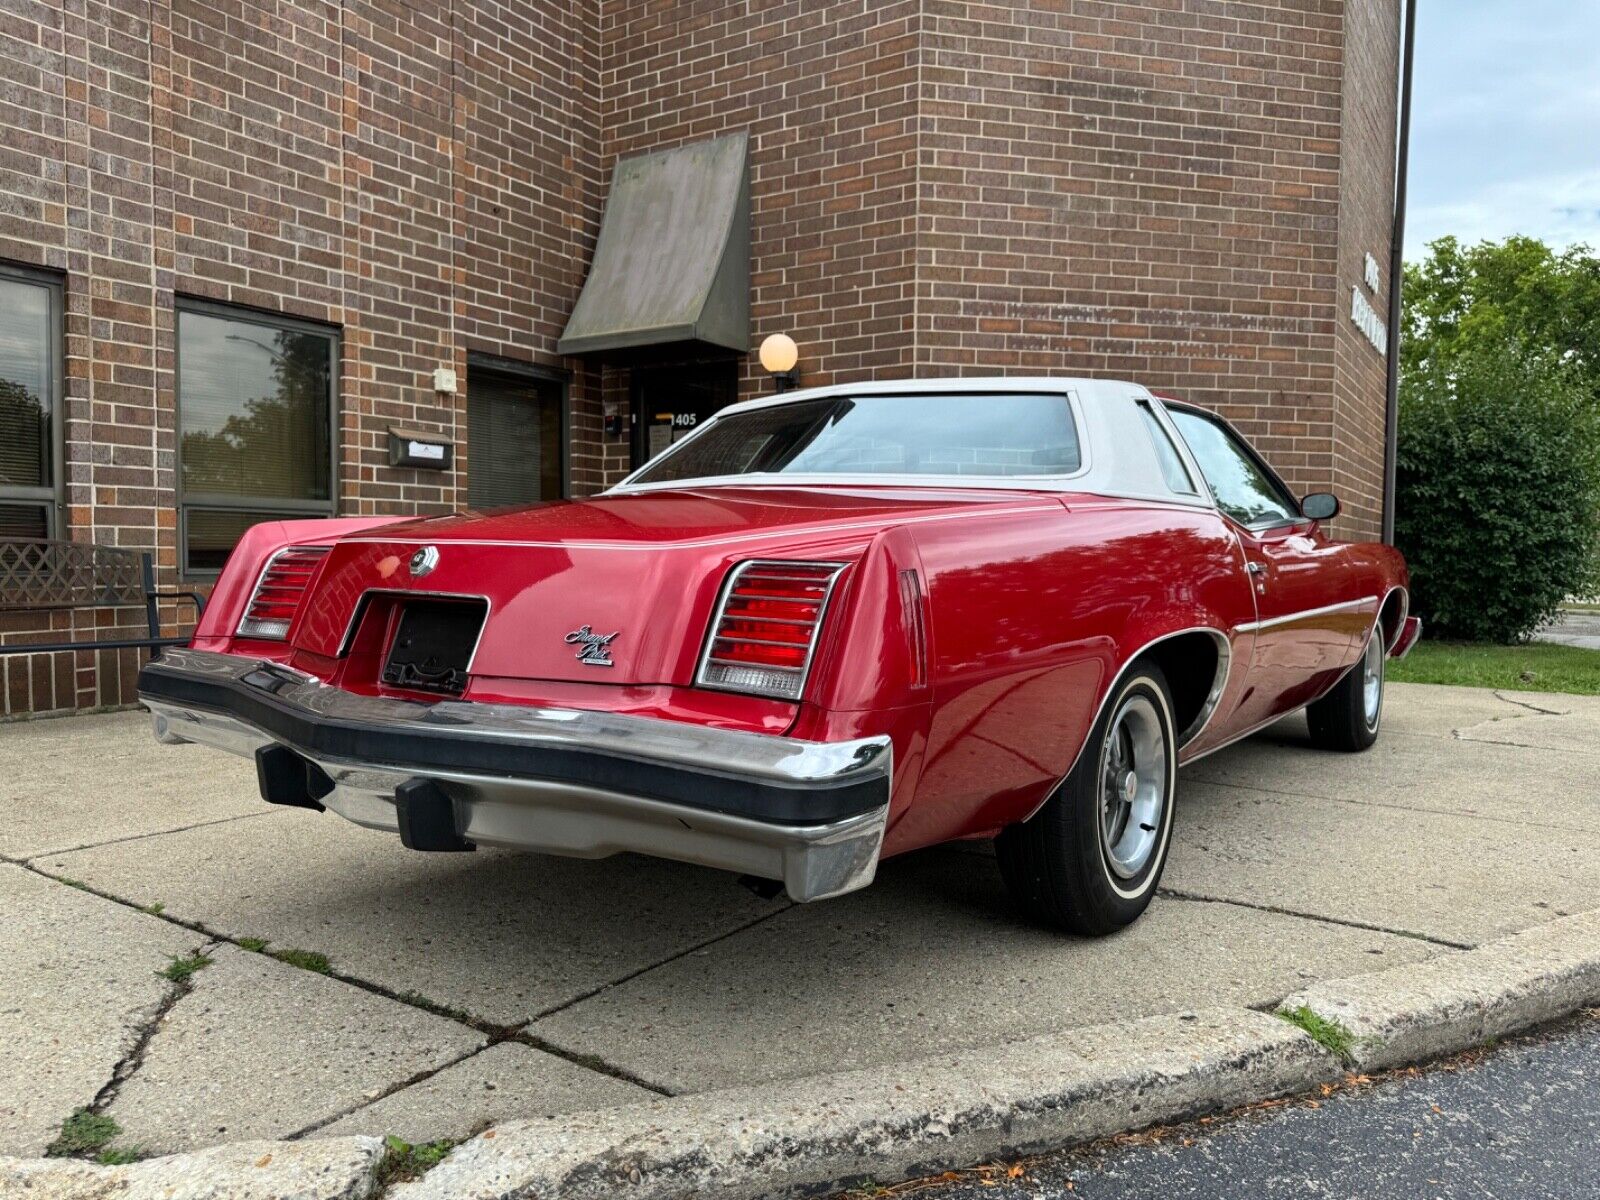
<point>279,591</point>
<point>766,627</point>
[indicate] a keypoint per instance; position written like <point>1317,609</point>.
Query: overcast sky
<point>1505,133</point>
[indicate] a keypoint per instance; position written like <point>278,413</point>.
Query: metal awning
<point>672,266</point>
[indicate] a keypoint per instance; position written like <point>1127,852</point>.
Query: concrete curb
<point>327,1169</point>
<point>811,1135</point>
<point>808,1135</point>
<point>1457,1001</point>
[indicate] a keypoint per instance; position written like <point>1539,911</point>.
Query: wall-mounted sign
<point>1372,274</point>
<point>1368,321</point>
<point>420,449</point>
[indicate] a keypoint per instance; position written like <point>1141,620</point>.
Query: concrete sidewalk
<point>463,990</point>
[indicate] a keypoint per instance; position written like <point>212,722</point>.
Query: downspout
<point>1397,242</point>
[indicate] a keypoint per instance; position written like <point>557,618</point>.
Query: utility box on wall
<point>420,449</point>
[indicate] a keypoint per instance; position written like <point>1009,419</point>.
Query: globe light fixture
<point>780,358</point>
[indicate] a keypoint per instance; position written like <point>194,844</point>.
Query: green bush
<point>1498,493</point>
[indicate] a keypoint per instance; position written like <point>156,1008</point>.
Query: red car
<point>823,628</point>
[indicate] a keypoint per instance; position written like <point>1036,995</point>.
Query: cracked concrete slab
<point>1443,874</point>
<point>1423,708</point>
<point>1440,774</point>
<point>108,779</point>
<point>332,1169</point>
<point>503,936</point>
<point>933,958</point>
<point>1456,838</point>
<point>1557,733</point>
<point>506,1081</point>
<point>260,1049</point>
<point>80,981</point>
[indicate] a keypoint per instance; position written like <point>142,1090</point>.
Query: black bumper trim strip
<point>419,750</point>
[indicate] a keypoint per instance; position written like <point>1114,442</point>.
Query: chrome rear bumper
<point>562,781</point>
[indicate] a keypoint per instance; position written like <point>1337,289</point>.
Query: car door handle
<point>1255,568</point>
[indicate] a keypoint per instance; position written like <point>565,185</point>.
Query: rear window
<point>982,435</point>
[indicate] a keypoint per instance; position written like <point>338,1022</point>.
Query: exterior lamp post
<point>780,358</point>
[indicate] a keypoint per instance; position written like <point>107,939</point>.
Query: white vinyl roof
<point>1119,457</point>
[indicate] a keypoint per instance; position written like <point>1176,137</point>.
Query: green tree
<point>1467,301</point>
<point>1498,479</point>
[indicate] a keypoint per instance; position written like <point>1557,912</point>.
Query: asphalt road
<point>1523,1123</point>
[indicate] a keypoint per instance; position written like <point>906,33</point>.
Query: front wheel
<point>1347,718</point>
<point>1089,860</point>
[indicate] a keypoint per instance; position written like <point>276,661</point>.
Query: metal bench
<point>40,576</point>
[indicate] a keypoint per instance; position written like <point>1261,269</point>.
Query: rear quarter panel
<point>1031,618</point>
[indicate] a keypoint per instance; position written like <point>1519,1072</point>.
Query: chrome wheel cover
<point>1372,680</point>
<point>1133,787</point>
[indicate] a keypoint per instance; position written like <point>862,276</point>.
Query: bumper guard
<point>562,781</point>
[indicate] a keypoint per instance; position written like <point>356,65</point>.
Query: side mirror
<point>1320,506</point>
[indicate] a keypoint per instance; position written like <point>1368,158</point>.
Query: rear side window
<point>1172,468</point>
<point>1242,489</point>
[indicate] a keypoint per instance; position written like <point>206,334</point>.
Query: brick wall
<point>1366,190</point>
<point>1176,191</point>
<point>1139,191</point>
<point>828,94</point>
<point>424,177</point>
<point>1147,191</point>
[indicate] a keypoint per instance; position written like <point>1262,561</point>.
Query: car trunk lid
<point>616,590</point>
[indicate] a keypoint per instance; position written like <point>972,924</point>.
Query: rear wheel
<point>1089,860</point>
<point>1348,717</point>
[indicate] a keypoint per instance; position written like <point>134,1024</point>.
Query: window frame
<point>52,496</point>
<point>1250,452</point>
<point>496,365</point>
<point>272,507</point>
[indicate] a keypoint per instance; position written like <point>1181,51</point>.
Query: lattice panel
<point>38,574</point>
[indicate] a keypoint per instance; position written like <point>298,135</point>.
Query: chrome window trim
<point>1250,451</point>
<point>244,614</point>
<point>728,584</point>
<point>1163,420</point>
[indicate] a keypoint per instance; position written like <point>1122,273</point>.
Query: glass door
<point>670,402</point>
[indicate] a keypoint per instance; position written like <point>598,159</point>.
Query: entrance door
<point>670,402</point>
<point>515,437</point>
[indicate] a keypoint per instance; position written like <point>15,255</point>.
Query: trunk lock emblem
<point>594,649</point>
<point>424,561</point>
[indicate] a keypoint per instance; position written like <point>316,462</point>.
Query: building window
<point>30,404</point>
<point>256,412</point>
<point>516,434</point>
